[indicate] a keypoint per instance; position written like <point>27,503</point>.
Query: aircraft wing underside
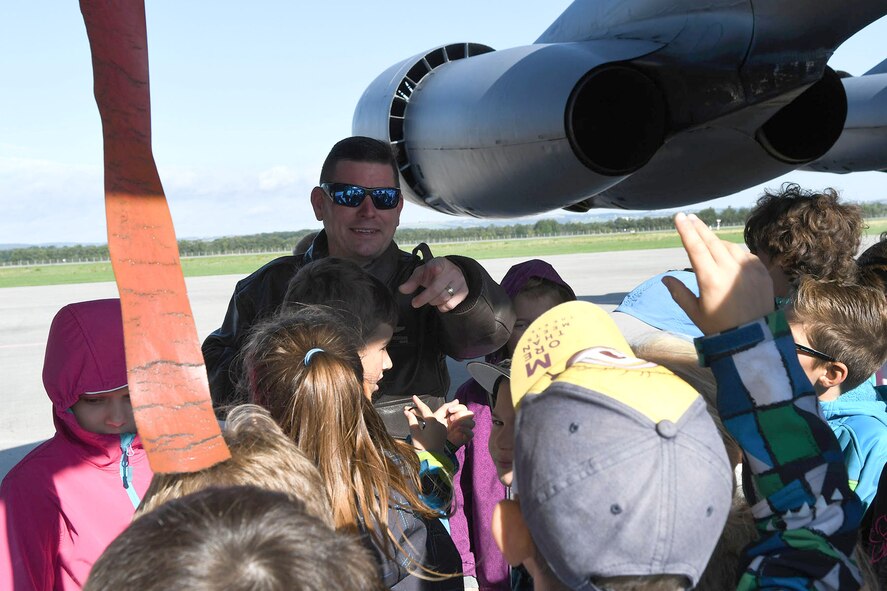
<point>636,104</point>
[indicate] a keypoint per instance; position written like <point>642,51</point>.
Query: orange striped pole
<point>167,379</point>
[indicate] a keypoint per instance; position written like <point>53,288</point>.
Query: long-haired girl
<point>304,367</point>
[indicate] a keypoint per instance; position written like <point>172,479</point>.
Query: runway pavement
<point>26,312</point>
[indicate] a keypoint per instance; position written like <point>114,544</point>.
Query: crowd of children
<point>573,458</point>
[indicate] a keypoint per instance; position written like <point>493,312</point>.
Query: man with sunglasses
<point>448,306</point>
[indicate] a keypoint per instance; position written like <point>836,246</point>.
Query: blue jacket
<point>859,420</point>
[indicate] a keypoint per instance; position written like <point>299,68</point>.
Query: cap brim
<point>486,374</point>
<point>651,303</point>
<point>548,344</point>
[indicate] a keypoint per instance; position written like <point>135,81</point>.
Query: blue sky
<point>247,98</point>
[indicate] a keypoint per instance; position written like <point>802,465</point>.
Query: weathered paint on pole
<point>167,378</point>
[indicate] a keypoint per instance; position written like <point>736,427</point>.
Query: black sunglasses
<point>353,195</point>
<point>814,353</point>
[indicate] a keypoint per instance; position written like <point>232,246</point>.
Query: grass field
<point>245,264</point>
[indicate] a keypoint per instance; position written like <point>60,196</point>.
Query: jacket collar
<point>100,449</point>
<point>384,268</point>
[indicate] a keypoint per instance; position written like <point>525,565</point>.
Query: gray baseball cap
<point>620,468</point>
<point>489,374</point>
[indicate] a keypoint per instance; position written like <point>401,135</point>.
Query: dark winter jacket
<point>422,339</point>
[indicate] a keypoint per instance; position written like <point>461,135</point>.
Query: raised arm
<point>807,516</point>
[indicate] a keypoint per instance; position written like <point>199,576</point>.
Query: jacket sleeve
<point>864,457</point>
<point>221,347</point>
<point>436,472</point>
<point>420,541</point>
<point>482,322</point>
<point>807,517</point>
<point>255,297</point>
<point>484,490</point>
<point>29,536</point>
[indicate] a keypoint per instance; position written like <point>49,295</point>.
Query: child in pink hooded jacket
<point>71,496</point>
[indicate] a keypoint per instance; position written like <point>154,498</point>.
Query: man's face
<point>502,434</point>
<point>362,233</point>
<point>375,359</point>
<point>109,413</point>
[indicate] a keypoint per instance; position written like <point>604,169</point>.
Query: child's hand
<point>460,423</point>
<point>734,286</point>
<point>427,429</point>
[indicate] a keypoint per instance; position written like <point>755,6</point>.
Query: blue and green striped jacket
<point>807,516</point>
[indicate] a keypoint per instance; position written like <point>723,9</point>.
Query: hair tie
<point>310,354</point>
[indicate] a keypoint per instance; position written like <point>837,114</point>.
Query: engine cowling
<point>863,142</point>
<point>506,133</point>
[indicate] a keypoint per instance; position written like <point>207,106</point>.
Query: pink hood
<point>85,353</point>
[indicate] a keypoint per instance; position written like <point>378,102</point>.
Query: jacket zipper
<point>126,440</point>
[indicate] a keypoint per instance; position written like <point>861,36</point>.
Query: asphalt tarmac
<point>26,313</point>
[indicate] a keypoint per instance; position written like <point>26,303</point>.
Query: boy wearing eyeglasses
<point>840,334</point>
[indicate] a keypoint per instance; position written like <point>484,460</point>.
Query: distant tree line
<point>729,217</point>
<point>269,242</point>
<point>277,242</point>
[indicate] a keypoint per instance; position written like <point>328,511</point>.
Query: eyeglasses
<point>814,353</point>
<point>353,195</point>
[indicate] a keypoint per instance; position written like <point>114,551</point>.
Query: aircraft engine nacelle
<point>515,132</point>
<point>863,143</point>
<point>735,151</point>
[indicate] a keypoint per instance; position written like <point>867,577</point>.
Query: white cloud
<point>46,201</point>
<point>50,202</point>
<point>278,177</point>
